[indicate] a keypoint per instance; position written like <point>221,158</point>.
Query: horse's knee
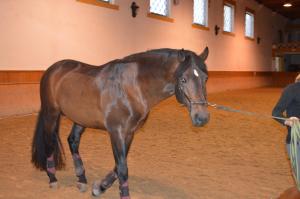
<point>122,167</point>
<point>122,171</point>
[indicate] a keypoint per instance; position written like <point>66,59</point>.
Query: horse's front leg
<point>120,146</point>
<point>101,186</point>
<point>74,141</point>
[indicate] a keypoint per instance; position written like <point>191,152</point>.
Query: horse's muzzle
<point>199,117</point>
<point>200,121</point>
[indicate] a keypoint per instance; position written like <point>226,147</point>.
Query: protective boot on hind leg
<point>47,154</point>
<point>74,141</point>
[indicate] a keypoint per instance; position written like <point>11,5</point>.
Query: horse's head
<point>190,90</point>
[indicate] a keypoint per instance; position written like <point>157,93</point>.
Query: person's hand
<point>291,121</point>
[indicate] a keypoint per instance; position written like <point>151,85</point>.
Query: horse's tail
<point>46,141</point>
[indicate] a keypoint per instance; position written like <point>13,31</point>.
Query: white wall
<point>37,33</point>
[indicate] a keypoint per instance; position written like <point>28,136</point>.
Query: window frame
<point>251,12</point>
<point>158,16</point>
<point>232,4</point>
<point>106,4</point>
<point>199,25</point>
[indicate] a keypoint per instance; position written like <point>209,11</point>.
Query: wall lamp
<point>134,7</point>
<point>217,28</point>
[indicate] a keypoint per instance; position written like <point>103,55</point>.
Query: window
<point>107,1</point>
<point>249,24</point>
<point>200,12</point>
<point>102,3</point>
<point>160,7</point>
<point>228,17</point>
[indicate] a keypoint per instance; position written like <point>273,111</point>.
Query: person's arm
<point>282,104</point>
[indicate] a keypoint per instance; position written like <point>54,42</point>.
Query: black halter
<point>191,102</point>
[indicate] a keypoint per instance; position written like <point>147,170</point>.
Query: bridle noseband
<point>192,102</point>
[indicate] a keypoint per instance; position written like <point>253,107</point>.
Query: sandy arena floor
<point>233,157</point>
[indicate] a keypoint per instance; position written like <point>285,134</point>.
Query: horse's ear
<point>204,54</point>
<point>181,55</point>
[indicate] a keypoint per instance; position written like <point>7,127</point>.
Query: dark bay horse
<point>116,97</point>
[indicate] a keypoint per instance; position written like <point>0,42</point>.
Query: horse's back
<point>68,65</point>
<point>56,71</point>
<point>69,86</point>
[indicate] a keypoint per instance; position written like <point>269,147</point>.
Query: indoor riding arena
<point>189,86</point>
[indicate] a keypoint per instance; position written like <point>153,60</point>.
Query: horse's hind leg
<point>51,121</point>
<point>74,141</point>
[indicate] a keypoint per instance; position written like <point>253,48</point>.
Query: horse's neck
<point>161,86</point>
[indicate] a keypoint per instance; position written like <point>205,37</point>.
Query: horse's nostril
<point>199,121</point>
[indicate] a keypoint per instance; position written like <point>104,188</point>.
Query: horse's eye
<point>182,80</point>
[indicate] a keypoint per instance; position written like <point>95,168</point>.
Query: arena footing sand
<point>233,157</point>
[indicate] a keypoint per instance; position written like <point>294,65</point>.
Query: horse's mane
<point>162,51</point>
<point>168,52</point>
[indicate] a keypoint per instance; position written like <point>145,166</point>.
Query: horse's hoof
<point>82,186</point>
<point>96,189</point>
<point>53,185</point>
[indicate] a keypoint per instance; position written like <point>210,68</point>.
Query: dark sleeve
<point>282,104</point>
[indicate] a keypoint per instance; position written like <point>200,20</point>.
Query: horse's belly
<point>84,117</point>
<point>81,109</point>
<point>81,105</point>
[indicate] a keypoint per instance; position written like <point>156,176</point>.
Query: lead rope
<point>295,138</point>
<point>226,108</point>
